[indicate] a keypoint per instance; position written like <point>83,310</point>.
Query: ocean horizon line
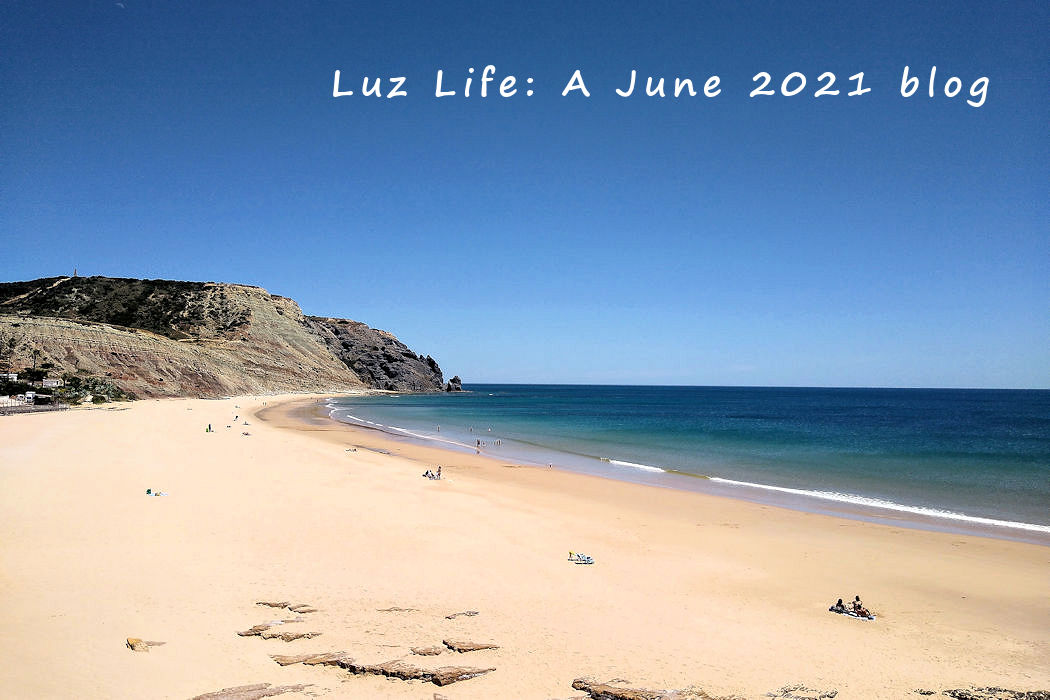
<point>754,386</point>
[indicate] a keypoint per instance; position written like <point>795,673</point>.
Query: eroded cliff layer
<point>164,338</point>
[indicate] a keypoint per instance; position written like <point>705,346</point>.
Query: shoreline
<point>890,514</point>
<point>686,590</point>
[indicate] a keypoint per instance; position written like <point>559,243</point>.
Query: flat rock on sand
<point>263,631</point>
<point>606,691</point>
<point>301,608</point>
<point>603,691</point>
<point>428,651</point>
<point>328,658</point>
<point>801,692</point>
<point>288,660</point>
<point>463,647</point>
<point>996,694</point>
<point>289,636</point>
<point>445,675</point>
<point>254,630</point>
<point>250,692</point>
<point>136,644</point>
<point>332,658</point>
<point>465,613</point>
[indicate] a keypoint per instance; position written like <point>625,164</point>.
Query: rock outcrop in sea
<point>155,338</point>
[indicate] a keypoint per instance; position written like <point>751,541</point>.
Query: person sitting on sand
<point>858,608</point>
<point>838,607</point>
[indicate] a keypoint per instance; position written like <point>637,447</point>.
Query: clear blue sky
<point>834,241</point>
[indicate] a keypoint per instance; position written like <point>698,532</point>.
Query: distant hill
<point>168,338</point>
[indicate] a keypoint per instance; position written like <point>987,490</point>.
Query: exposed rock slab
<point>325,658</point>
<point>464,647</point>
<point>428,651</point>
<point>136,644</point>
<point>445,675</point>
<point>994,693</point>
<point>251,692</point>
<point>396,610</point>
<point>261,630</point>
<point>254,630</point>
<point>294,607</point>
<point>288,660</point>
<point>331,658</point>
<point>607,691</point>
<point>603,691</point>
<point>288,636</point>
<point>801,692</point>
<point>465,613</point>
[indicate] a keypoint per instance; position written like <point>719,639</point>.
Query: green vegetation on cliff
<point>169,308</point>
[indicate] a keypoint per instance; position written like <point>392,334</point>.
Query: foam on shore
<point>338,413</point>
<point>868,502</point>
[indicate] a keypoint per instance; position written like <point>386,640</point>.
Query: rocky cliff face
<point>377,357</point>
<point>163,338</point>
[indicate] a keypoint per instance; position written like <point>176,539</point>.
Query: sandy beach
<point>687,589</point>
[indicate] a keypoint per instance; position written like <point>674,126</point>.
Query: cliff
<point>165,338</point>
<point>378,358</point>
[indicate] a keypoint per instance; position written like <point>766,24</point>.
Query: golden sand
<point>687,588</point>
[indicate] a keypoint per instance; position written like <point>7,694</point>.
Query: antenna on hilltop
<point>74,272</point>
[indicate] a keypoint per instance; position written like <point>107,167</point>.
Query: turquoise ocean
<point>955,460</point>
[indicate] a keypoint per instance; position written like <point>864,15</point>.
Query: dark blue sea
<point>951,459</point>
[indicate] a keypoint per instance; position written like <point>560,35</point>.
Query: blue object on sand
<point>850,613</point>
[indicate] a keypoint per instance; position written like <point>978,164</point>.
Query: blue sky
<point>833,241</point>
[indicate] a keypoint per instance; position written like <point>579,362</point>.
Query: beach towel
<point>850,613</point>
